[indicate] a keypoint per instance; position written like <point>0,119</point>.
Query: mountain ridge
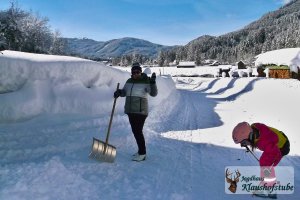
<point>274,30</point>
<point>112,48</point>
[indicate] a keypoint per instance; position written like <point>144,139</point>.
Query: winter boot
<point>136,154</point>
<point>272,196</point>
<point>261,194</point>
<point>139,157</point>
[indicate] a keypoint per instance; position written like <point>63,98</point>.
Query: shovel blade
<point>101,153</point>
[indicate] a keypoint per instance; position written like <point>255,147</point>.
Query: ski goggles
<point>248,141</point>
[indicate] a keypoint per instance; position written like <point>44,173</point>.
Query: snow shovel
<point>102,151</point>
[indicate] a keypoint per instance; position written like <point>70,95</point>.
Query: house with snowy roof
<point>186,64</point>
<point>289,57</point>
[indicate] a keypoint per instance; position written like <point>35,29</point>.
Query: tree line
<point>24,31</point>
<point>275,30</point>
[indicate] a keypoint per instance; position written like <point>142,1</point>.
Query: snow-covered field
<point>51,107</point>
<point>174,71</point>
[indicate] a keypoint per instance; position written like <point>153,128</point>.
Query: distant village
<point>284,63</point>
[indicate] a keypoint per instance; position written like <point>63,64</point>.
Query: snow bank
<point>33,84</point>
<point>17,68</point>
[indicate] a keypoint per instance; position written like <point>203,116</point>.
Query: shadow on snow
<point>194,109</point>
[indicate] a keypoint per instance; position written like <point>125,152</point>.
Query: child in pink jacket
<point>272,142</point>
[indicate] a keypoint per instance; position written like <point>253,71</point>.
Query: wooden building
<point>186,64</point>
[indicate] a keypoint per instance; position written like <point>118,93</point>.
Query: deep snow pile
<point>33,84</point>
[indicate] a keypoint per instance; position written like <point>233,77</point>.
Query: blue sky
<point>167,22</point>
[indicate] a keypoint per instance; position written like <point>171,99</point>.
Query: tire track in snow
<point>192,111</point>
<point>183,117</point>
<point>172,156</point>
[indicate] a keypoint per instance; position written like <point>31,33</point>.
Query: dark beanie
<point>136,66</point>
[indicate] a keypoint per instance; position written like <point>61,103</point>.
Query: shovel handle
<point>110,121</point>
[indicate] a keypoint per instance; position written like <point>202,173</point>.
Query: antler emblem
<point>233,182</point>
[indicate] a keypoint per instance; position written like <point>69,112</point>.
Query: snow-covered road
<point>46,157</point>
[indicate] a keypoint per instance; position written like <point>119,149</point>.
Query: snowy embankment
<point>56,105</point>
<point>33,84</point>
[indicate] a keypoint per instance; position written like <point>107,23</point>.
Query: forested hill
<point>24,31</point>
<point>112,48</point>
<point>275,30</point>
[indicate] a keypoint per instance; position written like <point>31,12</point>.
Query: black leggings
<point>137,123</point>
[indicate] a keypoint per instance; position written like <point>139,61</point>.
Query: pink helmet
<point>241,132</point>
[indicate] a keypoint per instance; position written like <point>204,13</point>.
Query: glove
<point>153,78</point>
<point>117,93</point>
